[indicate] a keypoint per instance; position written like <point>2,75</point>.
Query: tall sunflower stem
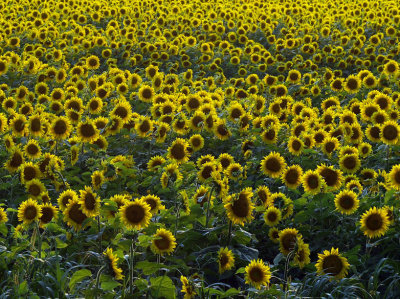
<point>39,239</point>
<point>96,290</point>
<point>131,262</point>
<point>100,235</point>
<point>229,234</point>
<point>208,207</point>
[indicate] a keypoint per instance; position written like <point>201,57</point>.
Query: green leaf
<point>3,229</point>
<point>60,244</point>
<point>23,288</point>
<point>109,285</point>
<point>162,286</point>
<point>148,268</point>
<point>79,276</point>
<point>240,270</point>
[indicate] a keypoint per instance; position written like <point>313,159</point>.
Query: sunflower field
<point>199,149</point>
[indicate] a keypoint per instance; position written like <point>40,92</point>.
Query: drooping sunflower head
<point>90,202</point>
<point>226,259</point>
<point>154,202</point>
<point>49,212</point>
<point>65,197</point>
<point>163,242</point>
<point>3,216</point>
<point>374,222</point>
<point>135,214</point>
<point>264,195</point>
<point>302,255</point>
<point>332,263</point>
<point>257,274</point>
<point>273,165</point>
<point>112,264</point>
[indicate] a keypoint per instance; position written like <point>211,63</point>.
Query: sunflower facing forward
<point>163,242</point>
<point>135,214</point>
<point>273,165</point>
<point>239,208</point>
<point>374,222</point>
<point>257,273</point>
<point>29,211</point>
<point>332,263</point>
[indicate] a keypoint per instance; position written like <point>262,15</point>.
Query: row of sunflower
<point>224,148</point>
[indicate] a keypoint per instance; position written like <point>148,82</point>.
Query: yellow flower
<point>154,202</point>
<point>29,211</point>
<point>288,238</point>
<point>226,260</point>
<point>178,150</point>
<point>87,131</point>
<point>73,214</point>
<point>49,212</point>
<point>90,202</point>
<point>272,216</point>
<point>163,242</point>
<point>332,263</point>
<point>374,222</point>
<point>239,207</point>
<point>187,288</point>
<point>302,255</point>
<point>291,176</point>
<point>273,165</point>
<point>257,273</point>
<point>112,263</point>
<point>346,202</point>
<point>3,216</point>
<point>135,214</point>
<point>312,182</point>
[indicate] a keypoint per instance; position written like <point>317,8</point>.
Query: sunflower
<point>226,260</point>
<point>144,126</point>
<point>123,110</point>
<point>112,263</point>
<point>163,242</point>
<point>60,127</point>
<point>272,216</point>
<point>390,132</point>
<point>95,105</point>
<point>119,200</point>
<point>135,214</point>
<point>346,202</point>
<point>273,234</point>
<point>178,150</point>
<point>257,273</point>
<point>196,142</point>
<point>350,163</point>
<point>288,238</point>
<point>239,207</point>
<point>187,288</point>
<point>87,131</point>
<point>295,145</point>
<point>15,161</point>
<point>155,162</point>
<point>225,160</point>
<point>221,130</point>
<point>374,222</point>
<point>19,125</point>
<point>146,93</point>
<point>264,196</point>
<point>90,202</point>
<point>206,170</point>
<point>36,125</point>
<point>312,182</point>
<point>291,176</point>
<point>97,179</point>
<point>35,187</point>
<point>93,62</point>
<point>3,216</point>
<point>65,197</point>
<point>49,212</point>
<point>29,211</point>
<point>73,214</point>
<point>302,255</point>
<point>234,171</point>
<point>394,177</point>
<point>29,171</point>
<point>332,263</point>
<point>273,165</point>
<point>32,149</point>
<point>154,202</point>
<point>352,84</point>
<point>329,145</point>
<point>332,177</point>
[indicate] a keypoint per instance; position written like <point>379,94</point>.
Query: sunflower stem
<point>100,235</point>
<point>229,234</point>
<point>208,207</point>
<point>98,281</point>
<point>39,239</point>
<point>131,257</point>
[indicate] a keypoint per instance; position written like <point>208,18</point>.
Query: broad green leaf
<point>79,276</point>
<point>148,268</point>
<point>162,286</point>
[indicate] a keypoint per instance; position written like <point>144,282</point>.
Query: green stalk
<point>98,281</point>
<point>208,207</point>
